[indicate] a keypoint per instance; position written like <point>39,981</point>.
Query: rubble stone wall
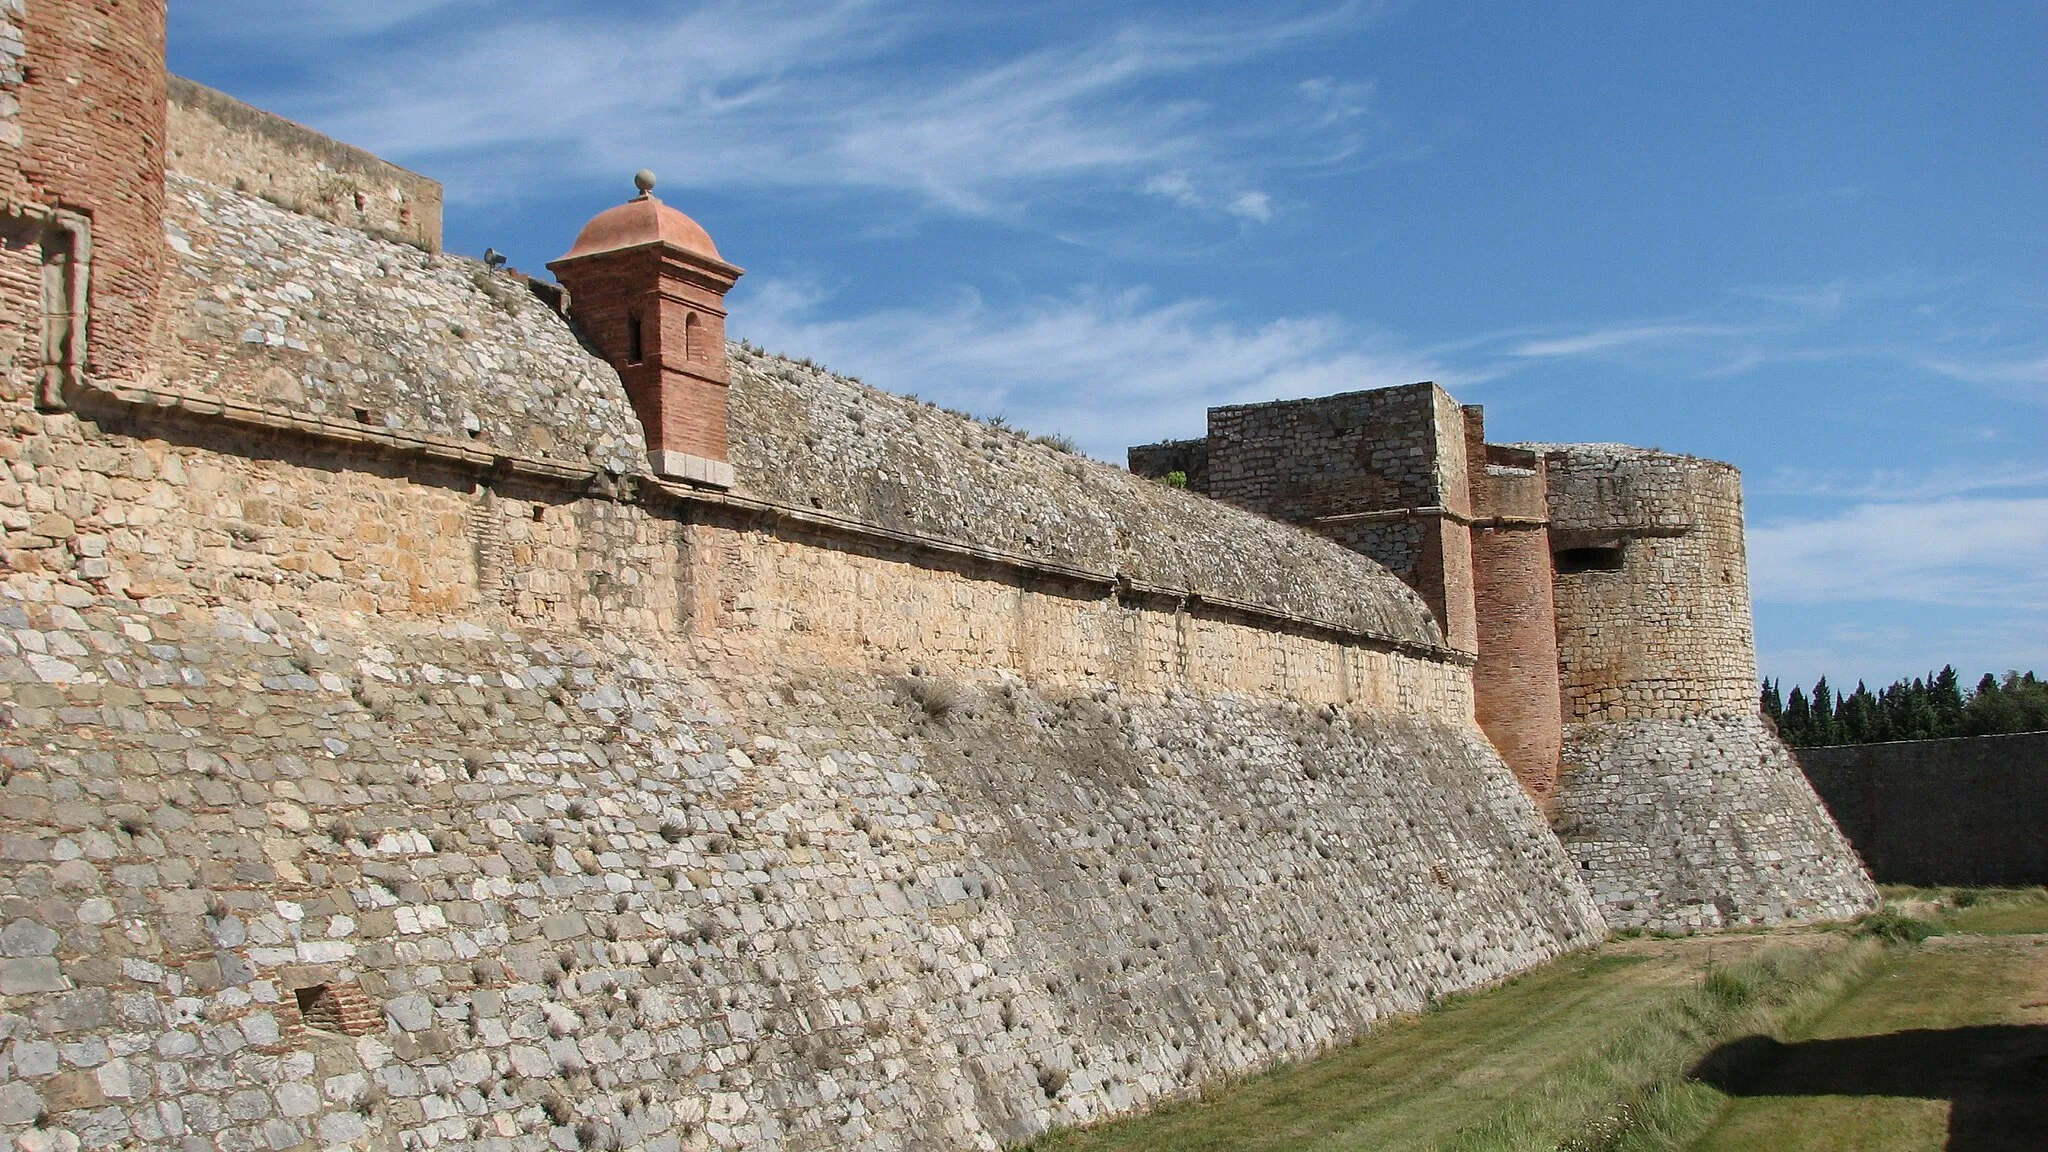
<point>1702,823</point>
<point>809,439</point>
<point>1381,472</point>
<point>375,854</point>
<point>275,308</point>
<point>216,138</point>
<point>1190,458</point>
<point>604,889</point>
<point>386,760</point>
<point>371,783</point>
<point>1683,809</point>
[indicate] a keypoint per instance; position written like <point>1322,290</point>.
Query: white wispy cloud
<point>852,94</point>
<point>1984,552</point>
<point>260,19</point>
<point>1909,323</point>
<point>1901,485</point>
<point>1611,338</point>
<point>2027,373</point>
<point>1110,368</point>
<point>1252,206</point>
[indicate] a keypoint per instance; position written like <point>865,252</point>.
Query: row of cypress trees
<point>1923,708</point>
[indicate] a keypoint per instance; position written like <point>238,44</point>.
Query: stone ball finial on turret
<point>647,287</point>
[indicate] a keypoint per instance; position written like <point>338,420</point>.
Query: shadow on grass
<point>1994,1076</point>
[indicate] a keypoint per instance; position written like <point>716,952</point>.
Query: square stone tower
<point>1383,472</point>
<point>1404,475</point>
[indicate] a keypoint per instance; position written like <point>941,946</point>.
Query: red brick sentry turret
<point>647,287</point>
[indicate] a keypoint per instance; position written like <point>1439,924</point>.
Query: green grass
<point>1997,911</point>
<point>1911,1058</point>
<point>1635,1092</point>
<point>1589,1044</point>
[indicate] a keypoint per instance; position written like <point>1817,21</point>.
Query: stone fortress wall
<point>394,759</point>
<point>1652,586</point>
<point>1606,595</point>
<point>601,809</point>
<point>1681,805</point>
<point>81,188</point>
<point>1382,472</point>
<point>1515,682</point>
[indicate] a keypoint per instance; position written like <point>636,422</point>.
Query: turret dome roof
<point>642,220</point>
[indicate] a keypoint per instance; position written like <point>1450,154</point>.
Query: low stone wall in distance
<point>217,138</point>
<point>1973,810</point>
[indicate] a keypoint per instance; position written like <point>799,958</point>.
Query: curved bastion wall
<point>1655,622</point>
<point>1682,807</point>
<point>372,782</point>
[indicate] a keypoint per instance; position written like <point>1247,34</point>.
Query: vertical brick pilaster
<point>91,89</point>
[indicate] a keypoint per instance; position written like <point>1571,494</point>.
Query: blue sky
<point>1808,239</point>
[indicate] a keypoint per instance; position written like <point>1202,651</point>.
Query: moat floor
<point>1944,1046</point>
<point>1777,1040</point>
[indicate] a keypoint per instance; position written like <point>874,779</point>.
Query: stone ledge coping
<point>585,480</point>
<point>1431,512</point>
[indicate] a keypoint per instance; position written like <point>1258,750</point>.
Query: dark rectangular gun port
<point>1592,558</point>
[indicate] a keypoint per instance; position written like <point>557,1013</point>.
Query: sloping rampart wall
<point>1699,824</point>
